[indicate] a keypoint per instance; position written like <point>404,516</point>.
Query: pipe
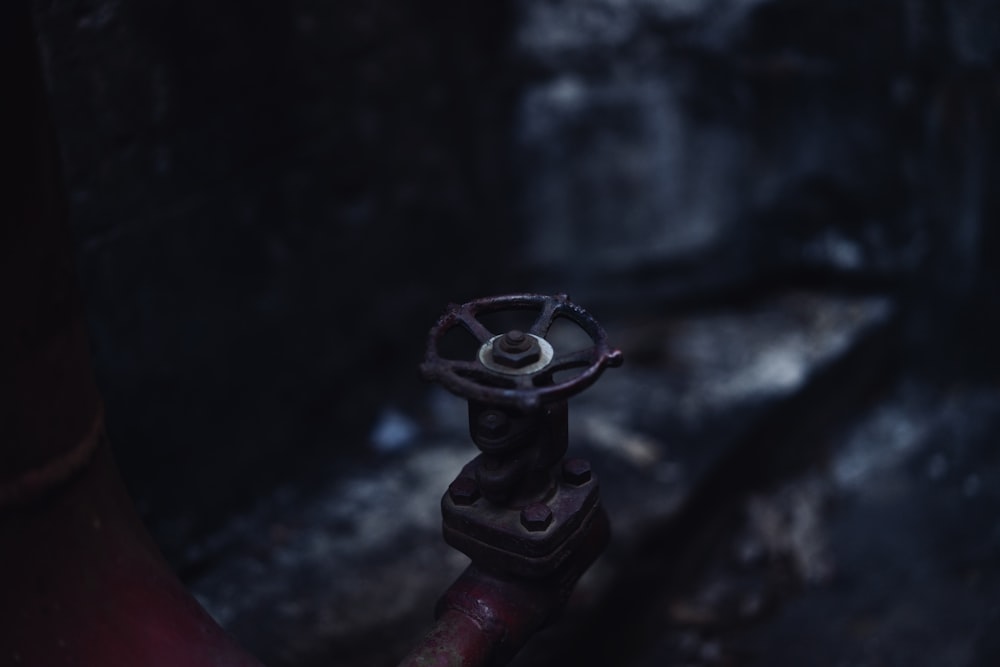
<point>82,582</point>
<point>485,617</point>
<point>456,640</point>
<point>49,399</point>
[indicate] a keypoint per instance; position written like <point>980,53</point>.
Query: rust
<point>516,350</point>
<point>486,616</point>
<point>463,491</point>
<point>576,471</point>
<point>472,380</point>
<point>536,517</point>
<point>492,534</point>
<point>530,522</point>
<point>492,424</point>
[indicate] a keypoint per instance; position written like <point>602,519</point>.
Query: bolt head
<point>576,471</point>
<point>492,424</point>
<point>516,349</point>
<point>514,340</point>
<point>536,517</point>
<point>463,491</point>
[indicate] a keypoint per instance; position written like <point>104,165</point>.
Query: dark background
<point>272,202</point>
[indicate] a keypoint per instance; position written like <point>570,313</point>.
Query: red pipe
<point>81,582</point>
<point>485,618</point>
<point>457,640</point>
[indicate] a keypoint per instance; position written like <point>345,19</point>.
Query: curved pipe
<point>82,583</point>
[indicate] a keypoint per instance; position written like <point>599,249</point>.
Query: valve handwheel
<point>516,369</point>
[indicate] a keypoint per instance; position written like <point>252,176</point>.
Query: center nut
<point>516,349</point>
<point>516,352</point>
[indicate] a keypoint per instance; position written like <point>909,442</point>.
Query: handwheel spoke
<point>544,320</point>
<point>469,369</point>
<point>474,326</point>
<point>578,359</point>
<point>524,387</point>
<point>474,371</point>
<point>525,382</point>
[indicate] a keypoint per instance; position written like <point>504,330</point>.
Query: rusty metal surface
<point>532,541</point>
<point>530,525</point>
<point>456,640</point>
<point>519,451</point>
<point>472,379</point>
<point>484,618</point>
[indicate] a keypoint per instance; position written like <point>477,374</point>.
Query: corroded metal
<point>496,535</point>
<point>530,522</point>
<point>475,380</point>
<point>485,617</point>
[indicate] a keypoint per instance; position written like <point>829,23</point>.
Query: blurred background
<point>783,211</point>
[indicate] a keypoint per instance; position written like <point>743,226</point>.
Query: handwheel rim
<point>521,390</point>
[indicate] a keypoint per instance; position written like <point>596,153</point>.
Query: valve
<point>516,369</point>
<point>520,507</point>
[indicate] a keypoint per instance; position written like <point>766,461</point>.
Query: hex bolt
<point>463,491</point>
<point>514,341</point>
<point>536,517</point>
<point>492,424</point>
<point>516,349</point>
<point>576,471</point>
